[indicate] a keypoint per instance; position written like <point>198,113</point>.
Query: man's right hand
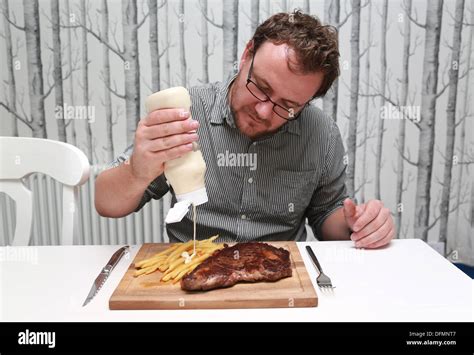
<point>162,135</point>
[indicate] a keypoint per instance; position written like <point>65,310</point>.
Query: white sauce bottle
<point>186,173</point>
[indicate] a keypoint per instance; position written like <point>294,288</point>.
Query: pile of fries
<point>172,263</point>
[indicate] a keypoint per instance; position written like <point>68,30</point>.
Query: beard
<point>251,125</point>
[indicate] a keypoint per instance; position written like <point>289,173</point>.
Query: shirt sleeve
<point>331,191</point>
<point>157,188</point>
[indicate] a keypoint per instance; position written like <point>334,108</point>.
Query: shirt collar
<point>224,113</point>
<point>294,127</point>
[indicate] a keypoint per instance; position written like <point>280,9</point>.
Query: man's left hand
<point>371,223</point>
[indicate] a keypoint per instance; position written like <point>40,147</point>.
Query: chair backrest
<point>22,156</point>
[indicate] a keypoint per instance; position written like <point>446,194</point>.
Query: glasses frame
<point>293,116</point>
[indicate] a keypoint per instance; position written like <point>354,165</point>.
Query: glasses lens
<point>289,114</point>
<point>256,91</point>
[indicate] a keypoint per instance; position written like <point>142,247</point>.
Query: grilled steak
<point>249,262</point>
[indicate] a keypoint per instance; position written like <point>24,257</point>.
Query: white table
<point>406,281</point>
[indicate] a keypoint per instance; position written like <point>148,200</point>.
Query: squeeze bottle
<point>186,173</point>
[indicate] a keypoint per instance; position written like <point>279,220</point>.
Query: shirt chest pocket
<point>290,194</point>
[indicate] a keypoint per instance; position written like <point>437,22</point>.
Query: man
<point>294,154</point>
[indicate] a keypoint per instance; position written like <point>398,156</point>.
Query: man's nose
<point>264,110</point>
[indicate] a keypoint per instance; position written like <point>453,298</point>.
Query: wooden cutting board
<point>146,291</point>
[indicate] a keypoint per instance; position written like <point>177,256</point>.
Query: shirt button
<point>243,216</point>
<point>250,180</point>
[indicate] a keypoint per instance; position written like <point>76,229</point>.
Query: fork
<point>323,281</point>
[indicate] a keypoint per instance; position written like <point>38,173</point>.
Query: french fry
<point>184,272</point>
<point>162,267</point>
<point>161,255</point>
<point>183,267</point>
<point>151,261</point>
<point>179,250</point>
<point>211,239</point>
<point>179,269</point>
<point>165,278</point>
<point>207,245</point>
<point>168,251</point>
<point>150,270</point>
<point>171,262</point>
<point>175,263</point>
<point>140,272</point>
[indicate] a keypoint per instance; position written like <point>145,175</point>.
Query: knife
<point>104,274</point>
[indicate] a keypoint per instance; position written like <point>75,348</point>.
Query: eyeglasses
<point>258,93</point>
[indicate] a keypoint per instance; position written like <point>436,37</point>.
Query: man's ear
<point>247,54</point>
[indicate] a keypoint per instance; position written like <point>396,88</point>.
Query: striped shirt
<point>263,189</point>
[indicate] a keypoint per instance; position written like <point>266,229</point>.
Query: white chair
<point>20,157</point>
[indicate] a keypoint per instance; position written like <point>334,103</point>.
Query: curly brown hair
<point>316,45</point>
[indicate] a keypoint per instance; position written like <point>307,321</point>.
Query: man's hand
<point>161,136</point>
<point>371,223</point>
